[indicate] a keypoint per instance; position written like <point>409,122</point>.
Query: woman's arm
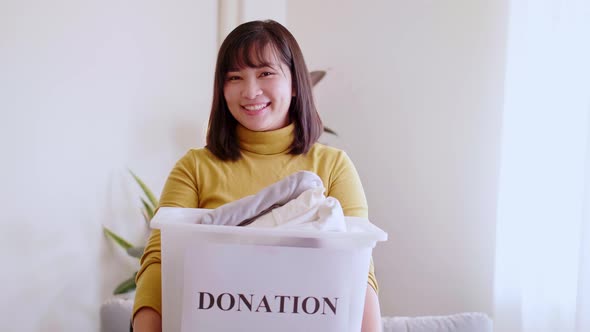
<point>372,312</point>
<point>147,320</point>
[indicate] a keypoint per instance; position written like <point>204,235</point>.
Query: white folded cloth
<point>245,210</point>
<point>310,211</point>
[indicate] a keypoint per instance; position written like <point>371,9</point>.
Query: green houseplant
<point>149,204</point>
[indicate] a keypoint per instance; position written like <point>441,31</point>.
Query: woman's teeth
<point>257,107</point>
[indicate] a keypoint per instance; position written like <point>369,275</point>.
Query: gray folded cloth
<point>247,209</point>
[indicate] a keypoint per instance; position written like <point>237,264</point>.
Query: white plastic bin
<point>224,278</point>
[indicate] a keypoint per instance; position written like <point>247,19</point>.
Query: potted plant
<point>149,202</point>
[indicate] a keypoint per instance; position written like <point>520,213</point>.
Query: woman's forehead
<point>254,56</point>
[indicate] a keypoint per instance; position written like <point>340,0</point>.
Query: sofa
<point>462,322</point>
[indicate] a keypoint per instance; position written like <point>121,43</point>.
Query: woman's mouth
<point>253,109</point>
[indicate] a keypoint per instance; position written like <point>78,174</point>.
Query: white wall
<point>88,89</point>
<point>235,12</point>
<point>414,88</point>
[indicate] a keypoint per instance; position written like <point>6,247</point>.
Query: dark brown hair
<point>244,47</point>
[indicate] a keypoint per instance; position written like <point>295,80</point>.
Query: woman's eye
<point>266,73</point>
<point>233,78</point>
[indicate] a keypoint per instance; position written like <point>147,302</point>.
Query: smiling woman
<point>263,127</point>
<point>261,63</point>
<point>259,97</point>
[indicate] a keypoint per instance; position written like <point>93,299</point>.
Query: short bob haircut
<point>244,47</point>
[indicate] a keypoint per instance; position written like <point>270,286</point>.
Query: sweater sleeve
<point>180,190</point>
<point>345,185</point>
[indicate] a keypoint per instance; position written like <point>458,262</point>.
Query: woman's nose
<point>251,89</point>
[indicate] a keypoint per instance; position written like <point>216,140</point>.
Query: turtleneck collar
<point>266,142</point>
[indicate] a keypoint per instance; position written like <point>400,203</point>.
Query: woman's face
<point>259,98</point>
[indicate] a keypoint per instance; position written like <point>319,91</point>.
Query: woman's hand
<point>372,313</point>
<point>147,320</point>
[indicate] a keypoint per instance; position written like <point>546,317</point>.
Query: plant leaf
<point>151,197</point>
<point>316,76</point>
<point>136,252</point>
<point>126,286</point>
<point>330,131</point>
<point>148,209</point>
<point>145,217</point>
<point>119,240</point>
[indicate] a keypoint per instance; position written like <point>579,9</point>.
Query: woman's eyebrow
<point>267,65</point>
<point>272,66</point>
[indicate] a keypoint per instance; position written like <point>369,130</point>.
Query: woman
<point>263,126</point>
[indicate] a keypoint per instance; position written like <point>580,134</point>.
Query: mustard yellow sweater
<point>201,180</point>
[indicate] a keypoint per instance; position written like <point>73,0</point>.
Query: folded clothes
<point>310,211</point>
<point>247,209</point>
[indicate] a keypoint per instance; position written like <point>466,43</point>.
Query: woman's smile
<point>255,109</point>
